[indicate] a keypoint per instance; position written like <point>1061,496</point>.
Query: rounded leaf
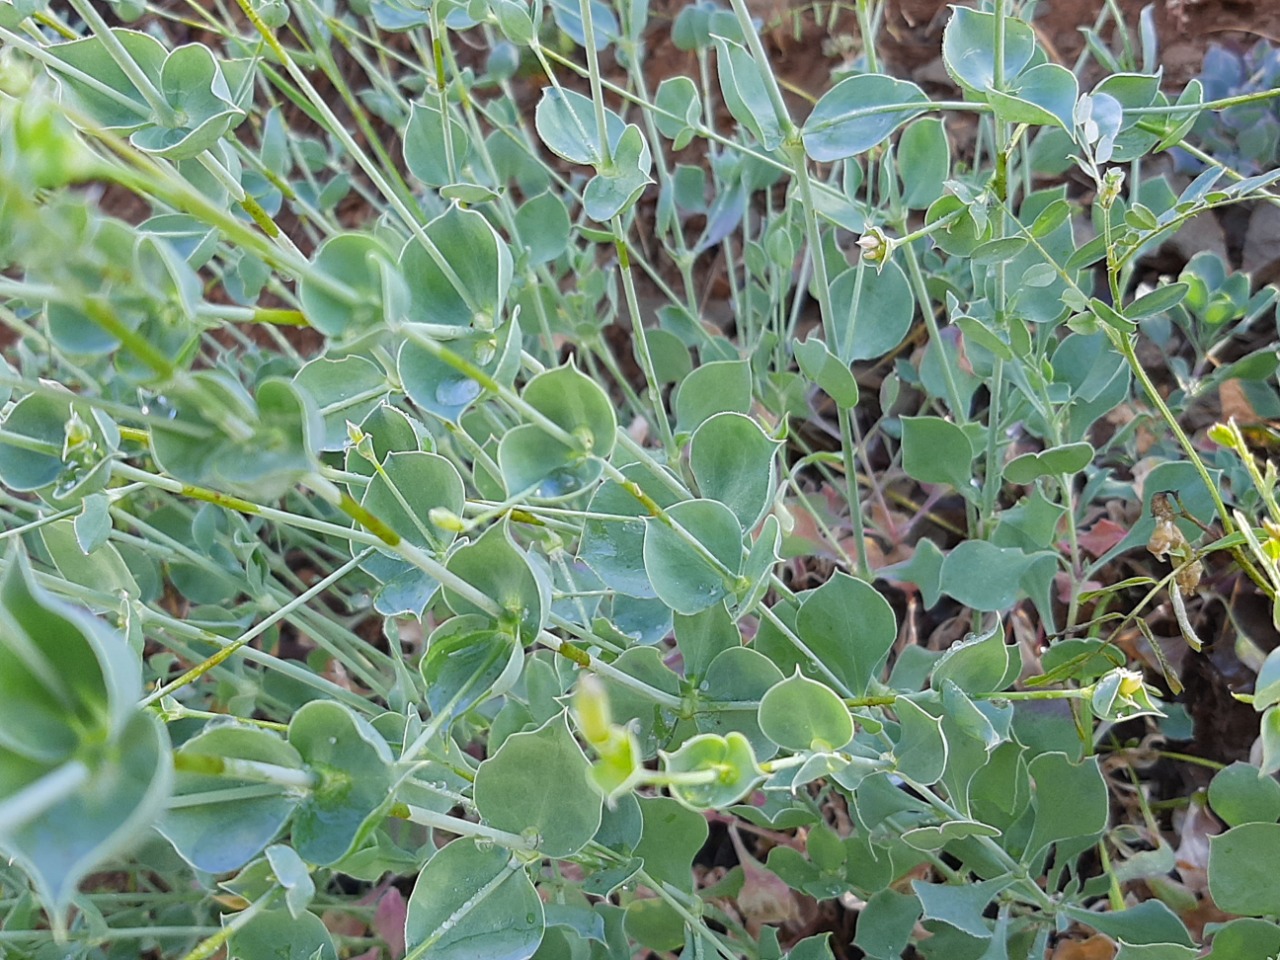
<point>800,714</point>
<point>729,759</point>
<point>732,460</point>
<point>537,785</point>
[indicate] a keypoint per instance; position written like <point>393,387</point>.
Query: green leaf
<point>679,110</point>
<point>886,923</point>
<point>733,463</point>
<point>620,181</point>
<point>673,834</point>
<point>799,714</point>
<point>103,569</point>
<point>1240,794</point>
<point>342,390</point>
<point>960,905</point>
<point>356,261</point>
<point>92,58</point>
<point>924,162</point>
<point>745,94</point>
<point>614,548</point>
<point>850,628</point>
<point>439,389</point>
<point>826,370</point>
<point>1150,922</point>
<point>217,833</point>
<point>280,935</point>
<point>468,895</point>
<point>1045,95</point>
<point>683,576</point>
<point>873,311</point>
<point>1240,875</point>
<point>1067,459</point>
<point>1158,301</point>
<point>1245,939</point>
<point>405,491</point>
<point>722,386</point>
<point>976,664</point>
<point>497,568</point>
<point>41,420</point>
<point>859,113</point>
<point>424,144</point>
<point>969,48</point>
<point>543,226</point>
<point>467,662</point>
<point>292,874</point>
<point>574,402</point>
<point>566,124</point>
<point>702,637</point>
<point>937,451</point>
<point>356,780</point>
<point>983,576</point>
<point>730,758</point>
<point>921,750</point>
<point>460,275</point>
<point>537,786</point>
<point>1070,800</point>
<point>739,674</point>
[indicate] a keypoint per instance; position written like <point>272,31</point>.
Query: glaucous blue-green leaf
<point>937,837</point>
<point>424,144</point>
<point>721,386</point>
<point>976,664</point>
<point>679,110</point>
<point>1245,939</point>
<point>218,832</point>
<point>1240,794</point>
<point>732,460</point>
<point>467,661</point>
<point>497,568</point>
<point>566,124</point>
<point>31,453</point>
<point>921,750</point>
<point>537,786</point>
<point>960,905</point>
<point>1070,800</point>
<point>886,922</point>
<point>542,224</point>
<point>407,488</point>
<point>440,388</point>
<point>342,293</point>
<point>102,569</point>
<point>859,113</point>
<point>873,311</point>
<point>763,554</point>
<point>969,48</point>
<point>983,576</point>
<point>604,23</point>
<point>125,107</point>
<point>1069,458</point>
<point>614,548</point>
<point>1239,879</point>
<point>1045,95</point>
<point>800,714</point>
<point>652,723</point>
<point>730,758</point>
<point>924,162</point>
<point>347,389</point>
<point>850,628</point>
<point>458,272</point>
<point>673,835</point>
<point>355,777</point>
<point>619,183</point>
<point>745,94</point>
<point>826,370</point>
<point>58,822</point>
<point>468,895</point>
<point>702,637</point>
<point>691,576</point>
<point>738,674</point>
<point>937,451</point>
<point>192,83</point>
<point>530,457</point>
<point>389,430</point>
<point>280,935</point>
<point>1149,922</point>
<point>654,924</point>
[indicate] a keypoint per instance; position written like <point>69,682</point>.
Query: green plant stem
<point>166,115</point>
<point>462,828</point>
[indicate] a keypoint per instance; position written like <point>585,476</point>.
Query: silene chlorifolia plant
<point>483,479</point>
